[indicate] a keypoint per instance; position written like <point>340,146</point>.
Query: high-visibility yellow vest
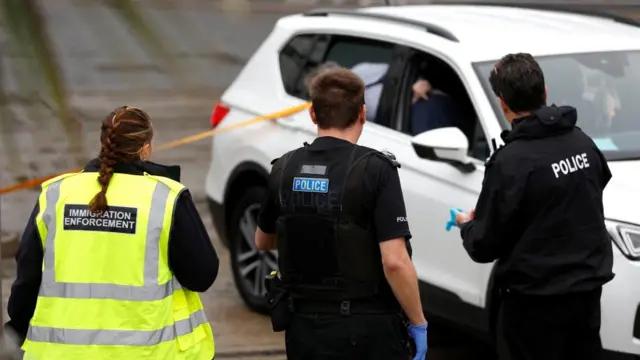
<point>107,291</point>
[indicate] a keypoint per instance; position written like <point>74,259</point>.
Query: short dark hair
<point>518,80</point>
<point>318,70</point>
<point>337,96</point>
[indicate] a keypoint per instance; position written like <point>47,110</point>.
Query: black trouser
<point>353,337</point>
<point>562,327</point>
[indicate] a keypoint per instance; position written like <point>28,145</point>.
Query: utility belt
<point>282,306</point>
<point>279,302</point>
<point>344,308</point>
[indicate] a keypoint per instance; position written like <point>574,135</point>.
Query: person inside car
<point>432,108</point>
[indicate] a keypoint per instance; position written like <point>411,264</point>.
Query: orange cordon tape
<point>173,144</point>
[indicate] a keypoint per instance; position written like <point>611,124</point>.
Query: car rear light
<point>218,114</point>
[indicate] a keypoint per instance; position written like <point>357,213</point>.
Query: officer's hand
<point>462,218</point>
<point>419,335</point>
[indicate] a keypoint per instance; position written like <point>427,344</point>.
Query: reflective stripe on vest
<point>117,337</point>
<point>148,292</point>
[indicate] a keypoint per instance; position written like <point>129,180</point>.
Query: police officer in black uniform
<point>335,212</point>
<point>540,214</point>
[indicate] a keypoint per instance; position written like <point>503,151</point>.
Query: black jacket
<point>540,212</point>
<point>192,258</point>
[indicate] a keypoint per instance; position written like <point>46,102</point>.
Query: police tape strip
<point>170,145</point>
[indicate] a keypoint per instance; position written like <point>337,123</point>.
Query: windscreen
<point>604,87</point>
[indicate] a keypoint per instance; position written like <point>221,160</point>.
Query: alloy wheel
<point>253,264</point>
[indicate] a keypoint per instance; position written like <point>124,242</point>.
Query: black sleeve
<point>389,213</point>
<point>606,172</point>
<point>24,291</point>
<point>269,214</point>
<point>489,235</point>
<point>270,210</point>
<point>192,257</point>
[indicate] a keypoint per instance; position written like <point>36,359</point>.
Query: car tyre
<point>249,265</point>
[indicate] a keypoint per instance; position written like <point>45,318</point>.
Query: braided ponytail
<point>124,133</point>
<point>107,159</point>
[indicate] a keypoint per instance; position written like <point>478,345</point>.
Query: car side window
<point>369,59</point>
<point>305,53</point>
<point>349,51</point>
<point>435,97</point>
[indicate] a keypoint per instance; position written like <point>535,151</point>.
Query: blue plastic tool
<point>452,222</point>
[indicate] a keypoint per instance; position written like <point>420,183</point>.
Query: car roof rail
<point>431,28</point>
<point>578,9</point>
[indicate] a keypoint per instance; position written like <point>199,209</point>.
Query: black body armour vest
<point>326,243</point>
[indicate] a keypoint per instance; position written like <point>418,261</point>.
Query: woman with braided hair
<point>112,259</point>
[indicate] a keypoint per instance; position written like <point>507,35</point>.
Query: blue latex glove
<point>452,222</point>
<point>419,334</point>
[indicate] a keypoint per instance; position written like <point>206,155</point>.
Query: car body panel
<point>481,29</point>
<point>622,195</point>
<point>620,303</point>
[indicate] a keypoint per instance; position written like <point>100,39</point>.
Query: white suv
<point>590,61</point>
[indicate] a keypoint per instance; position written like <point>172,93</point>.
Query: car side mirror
<point>448,145</point>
